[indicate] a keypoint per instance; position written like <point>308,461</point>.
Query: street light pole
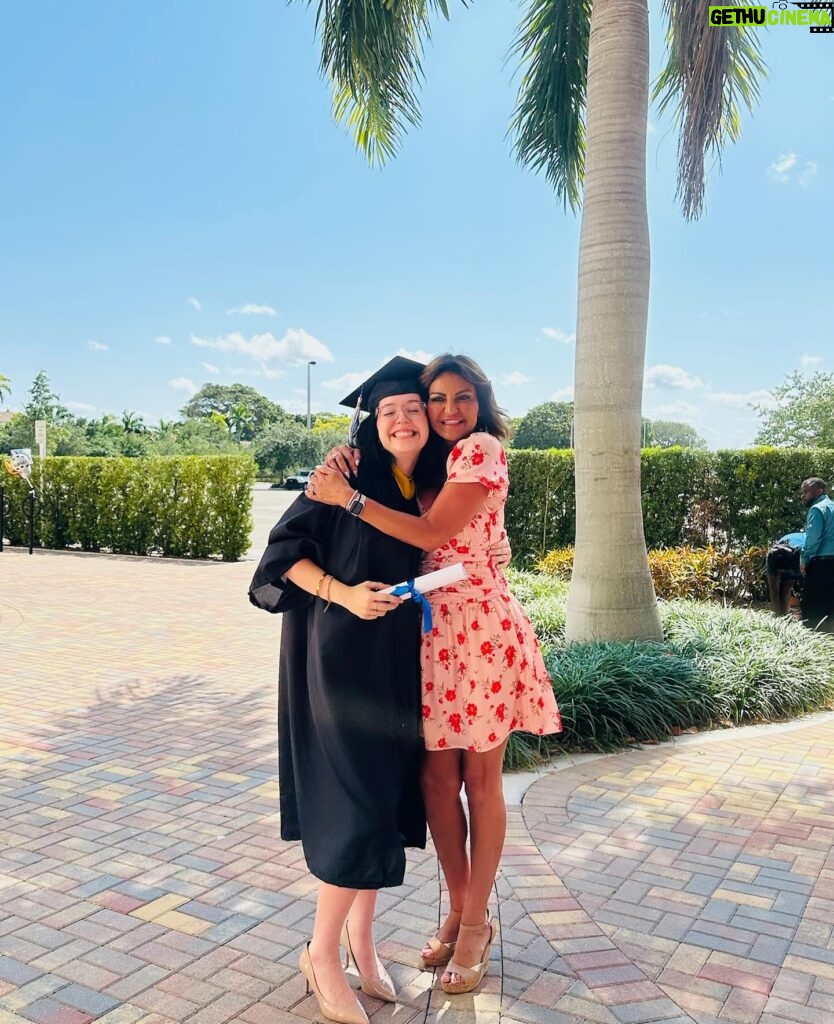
<point>310,363</point>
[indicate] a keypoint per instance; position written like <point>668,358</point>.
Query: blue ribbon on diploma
<point>408,588</point>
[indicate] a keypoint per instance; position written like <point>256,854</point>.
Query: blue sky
<point>177,206</point>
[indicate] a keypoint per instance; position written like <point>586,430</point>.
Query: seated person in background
<point>782,565</point>
<point>817,558</point>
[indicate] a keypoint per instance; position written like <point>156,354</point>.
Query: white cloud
<point>296,347</point>
<point>514,378</point>
<point>96,346</point>
<point>258,371</point>
<point>807,174</point>
<point>557,334</point>
<point>677,409</point>
<point>780,167</point>
<point>162,339</point>
<point>299,404</point>
<point>419,355</point>
<point>196,303</point>
<point>806,360</point>
<point>184,384</point>
<point>741,399</point>
<point>787,168</point>
<point>80,406</point>
<point>253,309</point>
<point>211,368</point>
<point>564,394</point>
<point>347,382</point>
<point>665,376</point>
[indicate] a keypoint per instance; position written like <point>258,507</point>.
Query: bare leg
<point>774,589</point>
<point>488,823</point>
<point>332,909</point>
<point>361,924</point>
<point>442,779</point>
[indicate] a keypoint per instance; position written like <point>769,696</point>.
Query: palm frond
<point>549,119</point>
<point>709,73</point>
<point>371,50</point>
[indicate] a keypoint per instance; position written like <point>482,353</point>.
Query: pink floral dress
<point>482,672</point>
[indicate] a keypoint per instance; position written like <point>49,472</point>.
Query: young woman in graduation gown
<point>349,693</point>
<point>482,672</point>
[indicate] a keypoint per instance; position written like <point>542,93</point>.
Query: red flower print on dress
<point>443,654</point>
<point>444,610</point>
<point>492,737</point>
<point>485,607</point>
<point>457,451</point>
<point>509,655</point>
<point>496,687</point>
<point>441,742</point>
<point>450,694</point>
<point>500,711</point>
<point>472,710</point>
<point>455,722</point>
<point>506,625</point>
<point>461,638</point>
<point>426,711</point>
<point>428,686</point>
<point>477,458</point>
<point>486,648</point>
<point>475,625</point>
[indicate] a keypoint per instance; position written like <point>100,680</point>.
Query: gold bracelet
<point>328,598</point>
<point>322,578</point>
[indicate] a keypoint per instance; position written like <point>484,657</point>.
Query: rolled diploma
<point>444,577</point>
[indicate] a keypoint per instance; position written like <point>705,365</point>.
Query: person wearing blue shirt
<point>817,557</point>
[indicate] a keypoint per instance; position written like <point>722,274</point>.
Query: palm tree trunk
<point>611,593</point>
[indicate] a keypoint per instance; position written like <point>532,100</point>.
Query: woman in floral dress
<point>482,672</point>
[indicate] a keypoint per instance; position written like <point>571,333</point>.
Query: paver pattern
<point>142,878</point>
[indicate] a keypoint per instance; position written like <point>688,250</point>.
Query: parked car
<point>298,481</point>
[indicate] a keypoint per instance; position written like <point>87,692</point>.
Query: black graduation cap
<point>399,376</point>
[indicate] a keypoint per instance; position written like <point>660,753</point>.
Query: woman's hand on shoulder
<point>329,486</point>
<point>343,458</point>
<point>367,602</point>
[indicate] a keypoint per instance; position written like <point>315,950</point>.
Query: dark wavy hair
<point>491,417</point>
<point>375,462</point>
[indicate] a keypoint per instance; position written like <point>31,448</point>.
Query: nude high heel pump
<point>379,988</point>
<point>348,1013</point>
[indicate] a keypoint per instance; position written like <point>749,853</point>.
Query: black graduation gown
<point>349,697</point>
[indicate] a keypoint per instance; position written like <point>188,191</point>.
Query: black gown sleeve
<point>303,531</point>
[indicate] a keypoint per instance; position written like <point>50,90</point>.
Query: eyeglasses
<point>412,411</point>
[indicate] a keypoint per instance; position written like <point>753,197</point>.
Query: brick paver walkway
<point>142,877</point>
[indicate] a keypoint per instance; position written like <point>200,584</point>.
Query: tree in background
<point>672,434</point>
<point>287,445</point>
<point>224,398</point>
<point>549,425</point>
<point>804,413</point>
<point>581,118</point>
<point>43,403</point>
<point>5,386</point>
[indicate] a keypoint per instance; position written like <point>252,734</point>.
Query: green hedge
<point>731,499</point>
<point>186,507</point>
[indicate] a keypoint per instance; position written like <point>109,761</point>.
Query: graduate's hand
<point>329,486</point>
<point>344,458</point>
<point>366,601</point>
<point>501,552</point>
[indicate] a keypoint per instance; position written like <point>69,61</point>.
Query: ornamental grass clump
<point>758,668</point>
<point>613,694</point>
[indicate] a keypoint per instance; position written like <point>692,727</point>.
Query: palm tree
<point>240,420</point>
<point>581,119</point>
<point>132,423</point>
<point>5,386</point>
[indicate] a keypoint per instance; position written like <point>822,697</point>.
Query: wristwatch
<point>356,504</point>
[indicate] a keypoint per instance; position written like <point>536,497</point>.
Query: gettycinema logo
<point>817,15</point>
